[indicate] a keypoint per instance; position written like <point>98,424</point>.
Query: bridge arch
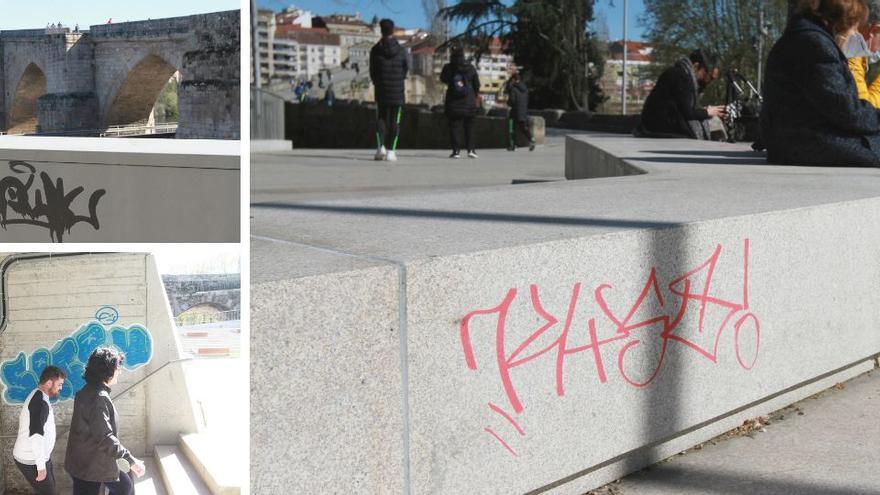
<point>136,96</point>
<point>23,110</point>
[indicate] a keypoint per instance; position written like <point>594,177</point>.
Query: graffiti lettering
<point>51,207</point>
<point>20,376</point>
<point>657,319</point>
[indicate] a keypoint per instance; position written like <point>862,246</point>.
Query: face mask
<point>856,46</point>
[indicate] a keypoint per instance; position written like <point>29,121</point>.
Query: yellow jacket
<point>859,68</point>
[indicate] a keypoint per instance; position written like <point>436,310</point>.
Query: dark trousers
<point>522,126</point>
<point>45,487</point>
<point>456,122</point>
<point>388,125</point>
<point>122,487</point>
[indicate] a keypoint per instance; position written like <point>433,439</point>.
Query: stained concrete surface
<point>825,445</point>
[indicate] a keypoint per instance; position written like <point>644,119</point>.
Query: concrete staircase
<point>192,467</point>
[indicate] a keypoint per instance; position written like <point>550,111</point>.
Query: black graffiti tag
<point>51,206</point>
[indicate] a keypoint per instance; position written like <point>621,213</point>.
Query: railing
<point>196,286</point>
<point>204,318</point>
<point>267,115</point>
<point>139,130</point>
<point>112,131</point>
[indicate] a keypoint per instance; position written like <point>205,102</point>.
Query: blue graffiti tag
<point>20,376</point>
<point>107,315</point>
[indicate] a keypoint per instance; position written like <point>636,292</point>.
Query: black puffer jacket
<point>388,68</point>
<point>812,114</point>
<point>518,100</point>
<point>672,103</point>
<point>463,87</point>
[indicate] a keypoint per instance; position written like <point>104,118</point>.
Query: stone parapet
<point>555,337</point>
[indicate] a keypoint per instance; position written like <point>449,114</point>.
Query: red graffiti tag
<point>685,290</point>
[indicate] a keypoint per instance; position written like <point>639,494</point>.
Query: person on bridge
<point>518,113</point>
<point>388,68</point>
<point>672,108</point>
<point>36,432</point>
<point>95,456</point>
<point>462,100</point>
<point>863,49</point>
<point>812,114</point>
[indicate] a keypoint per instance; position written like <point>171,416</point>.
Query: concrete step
<point>213,463</point>
<point>178,474</point>
<point>151,483</point>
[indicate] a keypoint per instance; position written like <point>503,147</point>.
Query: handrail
<point>65,428</point>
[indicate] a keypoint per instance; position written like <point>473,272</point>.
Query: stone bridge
<point>56,80</point>
<point>221,291</point>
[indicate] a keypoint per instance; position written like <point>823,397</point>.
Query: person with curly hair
<point>95,456</point>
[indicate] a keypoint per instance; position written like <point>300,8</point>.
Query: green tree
<point>730,28</point>
<point>548,39</point>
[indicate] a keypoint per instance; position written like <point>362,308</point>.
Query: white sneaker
<point>391,156</point>
<point>472,154</point>
<point>455,155</point>
<point>380,154</point>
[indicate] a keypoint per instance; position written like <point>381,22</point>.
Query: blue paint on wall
<point>20,376</point>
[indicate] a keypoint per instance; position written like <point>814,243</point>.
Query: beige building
<point>639,81</point>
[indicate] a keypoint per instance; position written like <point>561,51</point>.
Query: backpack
<point>460,84</point>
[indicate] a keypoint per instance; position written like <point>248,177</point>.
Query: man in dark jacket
<point>671,110</point>
<point>93,447</point>
<point>812,114</point>
<point>462,100</point>
<point>518,114</point>
<point>388,68</point>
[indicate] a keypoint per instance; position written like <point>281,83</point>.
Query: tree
<point>549,39</point>
<point>438,25</point>
<point>729,28</point>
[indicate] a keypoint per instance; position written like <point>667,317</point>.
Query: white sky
<point>178,259</point>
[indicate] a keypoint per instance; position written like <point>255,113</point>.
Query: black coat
<point>93,444</point>
<point>388,68</point>
<point>518,100</point>
<point>461,103</point>
<point>672,103</point>
<point>812,114</point>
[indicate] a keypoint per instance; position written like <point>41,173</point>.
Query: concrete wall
<point>170,408</point>
<point>48,299</point>
<point>345,125</point>
<point>132,190</point>
<point>554,337</point>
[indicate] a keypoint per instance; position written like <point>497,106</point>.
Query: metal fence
<point>267,115</point>
<point>203,318</point>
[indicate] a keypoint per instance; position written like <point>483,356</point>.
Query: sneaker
<point>511,148</point>
<point>455,155</point>
<point>380,154</point>
<point>531,146</point>
<point>472,154</point>
<point>391,156</point>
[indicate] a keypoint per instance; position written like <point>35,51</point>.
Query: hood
<point>388,47</point>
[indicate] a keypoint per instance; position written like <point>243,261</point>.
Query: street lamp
<point>623,88</point>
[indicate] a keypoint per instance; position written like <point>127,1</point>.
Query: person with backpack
<point>518,111</point>
<point>462,101</point>
<point>388,68</point>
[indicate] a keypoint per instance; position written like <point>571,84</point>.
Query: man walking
<point>36,432</point>
<point>388,68</point>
